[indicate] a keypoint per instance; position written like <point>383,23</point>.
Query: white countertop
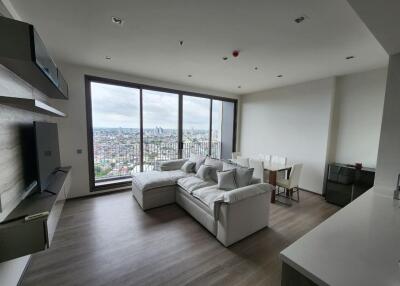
<point>358,245</point>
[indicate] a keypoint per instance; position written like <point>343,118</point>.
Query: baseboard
<point>94,194</point>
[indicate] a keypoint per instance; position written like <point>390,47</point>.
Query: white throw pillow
<point>203,172</point>
<point>198,160</point>
<point>188,166</point>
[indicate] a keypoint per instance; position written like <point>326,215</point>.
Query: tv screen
<point>47,152</point>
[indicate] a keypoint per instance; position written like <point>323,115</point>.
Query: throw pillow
<point>188,167</point>
<point>198,160</point>
<point>203,172</point>
<point>226,180</point>
<point>216,165</point>
<point>228,166</point>
<point>243,176</point>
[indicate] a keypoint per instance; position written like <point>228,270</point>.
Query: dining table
<point>273,169</point>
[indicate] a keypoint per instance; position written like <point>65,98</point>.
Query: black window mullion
<point>141,130</point>
<point>210,129</point>
<point>180,126</point>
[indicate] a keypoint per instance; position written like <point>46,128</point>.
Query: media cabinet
<point>19,236</point>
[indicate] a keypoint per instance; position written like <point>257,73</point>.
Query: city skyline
<point>114,105</point>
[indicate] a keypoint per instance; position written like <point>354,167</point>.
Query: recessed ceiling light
<point>189,75</point>
<point>350,57</point>
<point>279,75</point>
<point>301,19</point>
<point>117,20</point>
<point>108,58</point>
<point>256,68</point>
<point>225,58</point>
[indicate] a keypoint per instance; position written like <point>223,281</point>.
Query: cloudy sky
<point>117,106</point>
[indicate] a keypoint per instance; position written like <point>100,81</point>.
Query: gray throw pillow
<point>228,166</point>
<point>226,180</point>
<point>243,176</point>
<point>216,165</point>
<point>198,160</point>
<point>203,172</point>
<point>188,167</point>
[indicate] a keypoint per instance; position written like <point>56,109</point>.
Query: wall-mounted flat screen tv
<point>47,152</point>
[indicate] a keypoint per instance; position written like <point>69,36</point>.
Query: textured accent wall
<point>17,157</point>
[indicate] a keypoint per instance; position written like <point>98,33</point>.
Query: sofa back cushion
<point>243,175</point>
<point>203,172</point>
<point>216,165</point>
<point>198,160</point>
<point>226,180</point>
<point>188,166</point>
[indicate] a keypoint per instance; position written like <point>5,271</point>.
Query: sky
<point>117,106</point>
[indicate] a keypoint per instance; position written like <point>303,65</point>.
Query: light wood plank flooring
<point>109,240</point>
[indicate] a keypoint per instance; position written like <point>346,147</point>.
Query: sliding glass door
<point>160,127</point>
<point>133,128</point>
<point>116,132</point>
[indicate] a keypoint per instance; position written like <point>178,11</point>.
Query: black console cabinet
<point>344,183</point>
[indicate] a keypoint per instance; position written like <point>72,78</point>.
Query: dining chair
<point>279,161</point>
<point>291,185</point>
<point>267,158</point>
<point>242,161</point>
<point>258,166</point>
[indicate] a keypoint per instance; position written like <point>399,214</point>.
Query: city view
<point>117,150</point>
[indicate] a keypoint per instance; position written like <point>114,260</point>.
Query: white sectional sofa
<point>228,215</point>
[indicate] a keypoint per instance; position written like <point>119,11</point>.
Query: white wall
<point>72,130</point>
<point>357,117</point>
<point>388,166</point>
<point>292,121</point>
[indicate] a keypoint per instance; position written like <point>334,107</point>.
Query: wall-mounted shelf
<point>24,53</point>
<point>20,237</point>
<point>33,105</point>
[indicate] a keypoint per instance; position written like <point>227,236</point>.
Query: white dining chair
<point>278,160</point>
<point>267,158</point>
<point>291,185</point>
<point>258,166</point>
<point>242,161</point>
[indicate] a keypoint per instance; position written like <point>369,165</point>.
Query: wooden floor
<point>109,240</point>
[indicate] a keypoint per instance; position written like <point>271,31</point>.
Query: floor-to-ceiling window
<point>160,127</point>
<point>116,132</point>
<point>134,127</point>
<point>196,125</point>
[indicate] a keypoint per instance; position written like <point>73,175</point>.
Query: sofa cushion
<point>172,165</point>
<point>203,172</point>
<point>155,179</point>
<point>188,167</point>
<point>216,165</point>
<point>198,160</point>
<point>226,180</point>
<point>243,175</point>
<point>209,195</point>
<point>193,183</point>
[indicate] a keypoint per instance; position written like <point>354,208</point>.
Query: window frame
<point>118,182</point>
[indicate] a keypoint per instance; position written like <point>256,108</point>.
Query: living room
<point>222,135</point>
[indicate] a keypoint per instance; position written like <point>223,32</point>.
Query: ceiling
<point>147,44</point>
<point>383,20</point>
